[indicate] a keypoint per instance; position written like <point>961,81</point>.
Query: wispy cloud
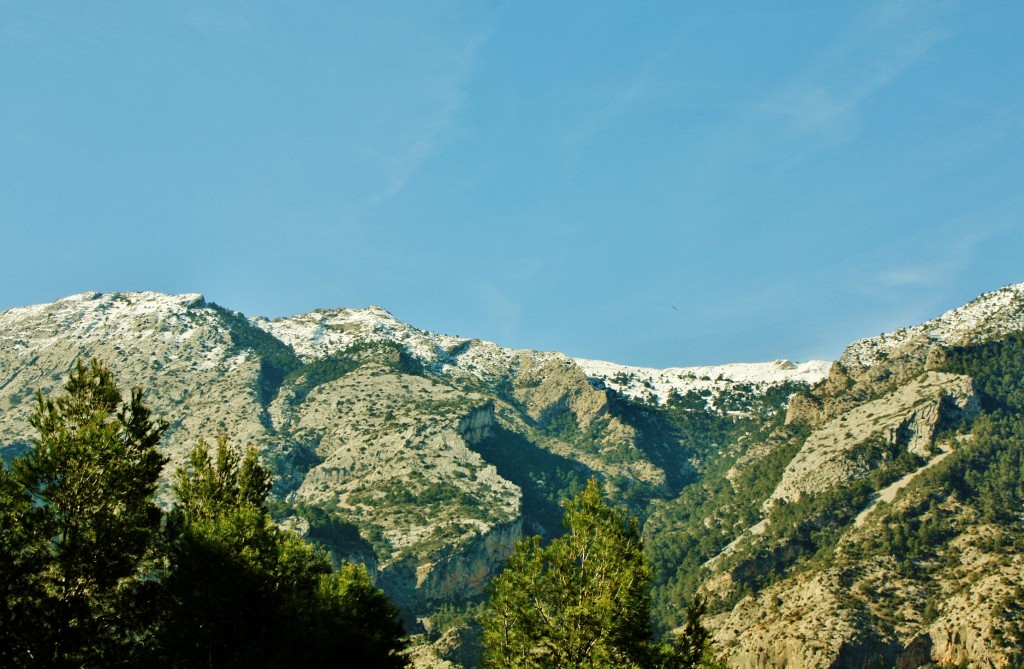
<point>956,247</point>
<point>906,290</point>
<point>643,82</point>
<point>886,42</point>
<point>401,161</point>
<point>920,275</point>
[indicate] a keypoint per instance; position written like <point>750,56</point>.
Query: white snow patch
<point>992,315</point>
<point>318,334</point>
<point>647,382</point>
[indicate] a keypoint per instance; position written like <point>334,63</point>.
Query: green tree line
<point>583,601</point>
<point>94,574</point>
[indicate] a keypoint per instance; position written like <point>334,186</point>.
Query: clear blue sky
<point>660,184</point>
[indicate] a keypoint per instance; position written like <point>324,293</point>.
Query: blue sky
<point>657,184</point>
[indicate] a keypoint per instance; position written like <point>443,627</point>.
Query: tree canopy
<point>242,592</point>
<point>93,573</point>
<point>81,524</point>
<point>583,600</point>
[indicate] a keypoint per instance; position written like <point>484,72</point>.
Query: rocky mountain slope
<point>834,513</point>
<point>888,538</point>
<point>387,440</point>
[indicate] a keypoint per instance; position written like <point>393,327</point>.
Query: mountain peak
<point>994,314</point>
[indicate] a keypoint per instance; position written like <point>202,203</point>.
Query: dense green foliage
<point>997,369</point>
<point>328,531</point>
<point>80,526</point>
<point>244,593</point>
<point>277,360</point>
<point>25,562</point>
<point>684,532</point>
<point>546,479</point>
<point>93,574</point>
<point>582,600</point>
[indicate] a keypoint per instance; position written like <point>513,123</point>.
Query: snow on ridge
<point>85,303</point>
<point>320,333</point>
<point>101,317</point>
<point>993,314</point>
<point>658,384</point>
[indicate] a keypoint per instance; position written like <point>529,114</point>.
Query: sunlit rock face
<point>427,457</point>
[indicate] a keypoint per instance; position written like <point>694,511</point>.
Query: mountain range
<point>860,512</point>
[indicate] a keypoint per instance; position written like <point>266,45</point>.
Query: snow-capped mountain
<point>992,315</point>
<point>318,334</point>
<point>659,384</point>
<point>436,453</point>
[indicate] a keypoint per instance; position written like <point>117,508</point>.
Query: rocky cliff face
<point>907,418</point>
<point>953,600</point>
<point>376,423</point>
<point>864,613</point>
<point>378,448</point>
<point>176,347</point>
<point>435,454</point>
<point>810,623</point>
<point>991,316</point>
<point>877,365</point>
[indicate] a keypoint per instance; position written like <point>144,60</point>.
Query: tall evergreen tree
<point>24,555</point>
<point>88,580</point>
<point>83,499</point>
<point>244,593</point>
<point>582,601</point>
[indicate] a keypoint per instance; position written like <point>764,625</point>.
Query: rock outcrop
<point>364,417</point>
<point>430,454</point>
<point>808,623</point>
<point>907,417</point>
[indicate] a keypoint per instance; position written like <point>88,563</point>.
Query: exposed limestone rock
<point>938,356</point>
<point>825,618</point>
<point>981,625</point>
<point>370,444</point>
<point>992,315</point>
<point>918,653</point>
<point>464,575</point>
<point>457,647</point>
<point>478,425</point>
<point>872,367</point>
<point>424,655</point>
<point>909,416</point>
<point>804,409</point>
<point>175,347</point>
<point>386,441</point>
<point>551,386</point>
<point>461,645</point>
<point>809,623</point>
<point>552,389</point>
<point>393,460</point>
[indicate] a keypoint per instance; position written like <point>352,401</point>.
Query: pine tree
<point>583,600</point>
<point>83,498</point>
<point>242,592</point>
<point>87,579</point>
<point>24,554</point>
